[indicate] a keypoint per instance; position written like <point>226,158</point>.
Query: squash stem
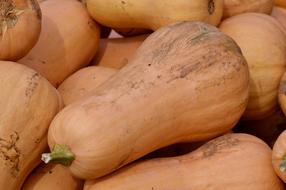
<point>61,154</point>
<point>282,166</point>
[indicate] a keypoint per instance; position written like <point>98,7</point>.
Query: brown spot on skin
<point>32,84</point>
<point>35,6</point>
<point>211,7</point>
<point>10,153</point>
<point>282,88</point>
<point>123,2</point>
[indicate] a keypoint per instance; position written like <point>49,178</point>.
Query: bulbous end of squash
<point>61,154</point>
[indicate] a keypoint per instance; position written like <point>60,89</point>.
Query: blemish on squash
<point>36,7</point>
<point>211,7</point>
<point>123,2</point>
<point>282,89</point>
<point>10,153</point>
<point>32,84</point>
<point>219,144</point>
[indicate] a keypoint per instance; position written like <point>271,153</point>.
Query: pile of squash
<point>142,95</point>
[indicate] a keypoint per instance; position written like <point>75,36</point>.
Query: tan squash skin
<point>279,14</point>
<point>170,80</point>
<point>52,177</point>
<point>20,28</point>
<point>28,104</point>
<point>79,84</point>
<point>281,3</point>
<point>235,7</point>
<point>263,44</point>
<point>278,156</point>
<point>116,52</point>
<point>75,38</point>
<point>232,162</point>
<point>151,14</point>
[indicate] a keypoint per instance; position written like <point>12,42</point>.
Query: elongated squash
<point>232,162</point>
<point>116,52</point>
<point>28,103</point>
<point>20,27</point>
<point>235,7</point>
<point>52,177</point>
<point>279,14</point>
<point>68,40</point>
<point>79,84</point>
<point>153,14</point>
<point>263,43</point>
<point>163,96</point>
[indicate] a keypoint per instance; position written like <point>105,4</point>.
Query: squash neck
<point>61,154</point>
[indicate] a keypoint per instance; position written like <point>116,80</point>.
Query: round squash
<point>52,177</point>
<point>279,156</point>
<point>235,7</point>
<point>155,14</point>
<point>82,82</point>
<point>263,44</point>
<point>281,3</point>
<point>279,14</point>
<point>159,98</point>
<point>28,103</point>
<point>232,162</point>
<point>20,27</point>
<point>116,52</point>
<point>68,41</point>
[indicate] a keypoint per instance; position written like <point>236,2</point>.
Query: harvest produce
<point>219,164</point>
<point>235,7</point>
<point>281,3</point>
<point>20,27</point>
<point>279,156</point>
<point>116,52</point>
<point>24,120</point>
<point>263,44</point>
<point>55,55</point>
<point>279,14</point>
<point>81,83</point>
<point>170,80</point>
<point>52,177</point>
<point>144,14</point>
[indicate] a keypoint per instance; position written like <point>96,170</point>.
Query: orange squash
<point>52,177</point>
<point>279,14</point>
<point>155,14</point>
<point>116,52</point>
<point>68,41</point>
<point>170,86</point>
<point>20,27</point>
<point>232,162</point>
<point>281,3</point>
<point>28,105</point>
<point>82,82</point>
<point>263,44</point>
<point>235,7</point>
<point>279,156</point>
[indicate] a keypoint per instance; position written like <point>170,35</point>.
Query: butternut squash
<point>153,14</point>
<point>28,103</point>
<point>279,156</point>
<point>281,3</point>
<point>116,52</point>
<point>235,7</point>
<point>20,27</point>
<point>279,14</point>
<point>78,85</point>
<point>232,162</point>
<point>163,96</point>
<point>263,44</point>
<point>68,41</point>
<point>52,177</point>
<point>282,93</point>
